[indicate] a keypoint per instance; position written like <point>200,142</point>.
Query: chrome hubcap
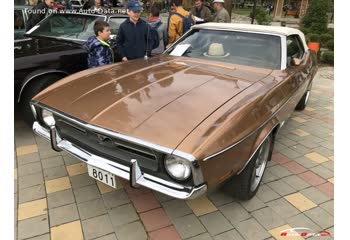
<point>260,164</point>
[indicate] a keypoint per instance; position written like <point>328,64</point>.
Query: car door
<point>20,20</point>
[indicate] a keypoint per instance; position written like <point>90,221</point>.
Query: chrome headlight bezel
<point>178,168</point>
<point>48,118</point>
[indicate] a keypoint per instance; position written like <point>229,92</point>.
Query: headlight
<point>48,118</point>
<point>178,168</point>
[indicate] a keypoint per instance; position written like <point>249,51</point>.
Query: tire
<point>244,186</point>
<point>33,89</point>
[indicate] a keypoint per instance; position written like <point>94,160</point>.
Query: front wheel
<point>32,89</point>
<point>245,185</point>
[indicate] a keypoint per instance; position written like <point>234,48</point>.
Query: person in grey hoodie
<point>155,22</point>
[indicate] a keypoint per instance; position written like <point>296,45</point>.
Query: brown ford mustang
<point>204,113</point>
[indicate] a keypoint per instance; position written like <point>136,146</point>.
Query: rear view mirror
<point>296,61</point>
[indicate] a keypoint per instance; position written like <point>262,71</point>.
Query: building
<point>284,8</point>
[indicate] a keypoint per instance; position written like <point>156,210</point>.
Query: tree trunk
<point>228,6</point>
<point>254,12</point>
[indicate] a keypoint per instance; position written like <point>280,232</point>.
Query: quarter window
<point>19,20</point>
<point>295,48</point>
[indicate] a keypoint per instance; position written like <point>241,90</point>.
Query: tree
<point>316,18</point>
<point>228,6</point>
<point>253,12</point>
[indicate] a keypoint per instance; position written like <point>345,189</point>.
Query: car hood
<point>160,100</point>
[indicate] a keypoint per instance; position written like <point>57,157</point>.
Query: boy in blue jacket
<point>100,52</point>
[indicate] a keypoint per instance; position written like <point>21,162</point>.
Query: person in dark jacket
<point>39,12</point>
<point>100,52</point>
<point>201,11</point>
<point>132,38</point>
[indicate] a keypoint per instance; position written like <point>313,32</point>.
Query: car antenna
<point>146,57</point>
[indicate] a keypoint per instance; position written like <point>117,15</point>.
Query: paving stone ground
<point>56,199</point>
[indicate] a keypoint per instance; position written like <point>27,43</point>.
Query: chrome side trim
<point>133,174</point>
<point>229,147</point>
<point>34,76</point>
<point>251,157</point>
<point>22,40</point>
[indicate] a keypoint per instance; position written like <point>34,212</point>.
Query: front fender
<point>271,127</point>
<point>38,73</point>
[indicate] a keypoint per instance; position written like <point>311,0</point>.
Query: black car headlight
<point>48,118</point>
<point>177,167</point>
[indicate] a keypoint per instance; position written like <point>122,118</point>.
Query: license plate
<point>102,176</point>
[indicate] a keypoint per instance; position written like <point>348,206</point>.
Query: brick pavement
<point>56,199</point>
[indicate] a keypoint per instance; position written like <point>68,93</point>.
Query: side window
<point>295,48</point>
<point>19,20</point>
<point>114,24</point>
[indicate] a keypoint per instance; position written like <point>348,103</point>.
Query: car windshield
<point>67,26</point>
<point>252,49</point>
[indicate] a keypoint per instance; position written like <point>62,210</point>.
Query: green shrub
<point>324,38</point>
<point>261,16</point>
<point>305,30</point>
<point>330,45</point>
<point>316,16</point>
<point>328,57</point>
<point>330,31</point>
<point>313,37</point>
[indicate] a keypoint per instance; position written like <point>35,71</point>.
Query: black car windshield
<point>67,26</point>
<point>252,49</point>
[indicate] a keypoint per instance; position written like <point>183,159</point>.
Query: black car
<point>55,50</point>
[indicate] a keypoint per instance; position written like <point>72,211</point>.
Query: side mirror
<point>296,61</point>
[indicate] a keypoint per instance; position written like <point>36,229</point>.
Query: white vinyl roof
<point>285,31</point>
<point>250,27</point>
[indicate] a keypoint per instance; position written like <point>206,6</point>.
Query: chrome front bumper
<point>132,174</point>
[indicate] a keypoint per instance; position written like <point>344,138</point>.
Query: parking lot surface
<point>56,199</point>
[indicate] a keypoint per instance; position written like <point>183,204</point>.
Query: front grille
<point>114,149</point>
